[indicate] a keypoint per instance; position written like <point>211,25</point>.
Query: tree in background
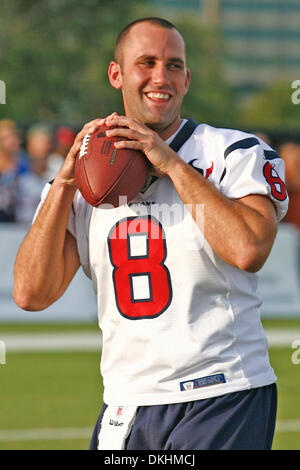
<point>272,109</point>
<point>211,98</point>
<point>54,56</point>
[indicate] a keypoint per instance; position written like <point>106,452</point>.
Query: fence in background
<point>279,283</point>
<point>77,305</point>
<point>279,279</point>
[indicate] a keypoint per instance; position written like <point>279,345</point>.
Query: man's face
<point>153,76</point>
<point>9,141</point>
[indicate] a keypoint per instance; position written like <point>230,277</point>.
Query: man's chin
<point>159,124</point>
<point>165,128</point>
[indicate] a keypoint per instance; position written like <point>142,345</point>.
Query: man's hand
<point>140,137</point>
<point>66,174</point>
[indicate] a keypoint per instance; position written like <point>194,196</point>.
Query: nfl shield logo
<point>188,385</point>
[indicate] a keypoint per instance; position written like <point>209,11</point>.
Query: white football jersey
<point>178,323</point>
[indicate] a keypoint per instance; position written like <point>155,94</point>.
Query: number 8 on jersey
<point>142,283</point>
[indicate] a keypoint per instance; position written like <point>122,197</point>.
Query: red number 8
<point>141,280</point>
<point>278,190</point>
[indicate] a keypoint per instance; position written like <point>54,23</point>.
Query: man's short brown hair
<point>152,19</point>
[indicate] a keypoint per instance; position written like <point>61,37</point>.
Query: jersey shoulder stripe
<point>271,154</point>
<point>183,135</point>
<point>241,144</point>
<point>247,143</point>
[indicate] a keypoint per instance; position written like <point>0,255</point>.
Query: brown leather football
<point>104,174</point>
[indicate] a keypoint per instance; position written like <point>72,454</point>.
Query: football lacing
<point>84,145</point>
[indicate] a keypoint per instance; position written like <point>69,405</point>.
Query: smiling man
<point>153,80</point>
<point>185,361</point>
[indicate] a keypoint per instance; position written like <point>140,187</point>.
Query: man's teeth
<point>161,96</point>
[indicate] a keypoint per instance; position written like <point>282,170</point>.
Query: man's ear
<point>114,75</point>
<point>187,81</point>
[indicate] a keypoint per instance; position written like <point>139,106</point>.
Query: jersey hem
<point>186,396</point>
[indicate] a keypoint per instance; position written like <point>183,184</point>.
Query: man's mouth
<point>158,96</point>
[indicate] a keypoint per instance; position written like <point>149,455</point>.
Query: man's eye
<point>148,62</point>
<point>175,66</point>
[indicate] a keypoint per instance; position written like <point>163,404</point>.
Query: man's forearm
<point>48,258</point>
<point>40,266</point>
<point>240,231</point>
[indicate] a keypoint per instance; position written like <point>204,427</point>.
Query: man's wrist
<point>174,165</point>
<point>69,184</point>
<point>67,187</point>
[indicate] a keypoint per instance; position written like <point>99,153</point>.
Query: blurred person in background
<point>39,142</point>
<point>290,153</point>
<point>64,139</point>
<point>13,165</point>
<point>39,146</point>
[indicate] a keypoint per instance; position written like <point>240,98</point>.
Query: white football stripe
<point>84,145</point>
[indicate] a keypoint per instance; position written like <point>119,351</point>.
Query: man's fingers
<point>91,126</point>
<point>88,128</point>
<point>76,147</point>
<point>129,144</point>
<point>124,121</point>
<point>124,132</point>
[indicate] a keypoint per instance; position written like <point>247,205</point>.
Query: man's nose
<point>160,74</point>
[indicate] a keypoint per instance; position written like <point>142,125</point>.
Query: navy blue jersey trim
<point>223,174</point>
<point>241,144</point>
<point>271,155</point>
<point>246,144</point>
<point>183,135</point>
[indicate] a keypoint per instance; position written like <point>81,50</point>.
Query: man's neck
<point>168,131</point>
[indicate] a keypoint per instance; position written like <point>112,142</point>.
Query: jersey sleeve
<point>78,226</point>
<point>71,219</point>
<point>252,167</point>
<point>44,194</point>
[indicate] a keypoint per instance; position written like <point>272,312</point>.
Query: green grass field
<point>51,400</point>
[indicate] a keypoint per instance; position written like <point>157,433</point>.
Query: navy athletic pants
<point>236,421</point>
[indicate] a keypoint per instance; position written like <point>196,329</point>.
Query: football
<point>103,173</point>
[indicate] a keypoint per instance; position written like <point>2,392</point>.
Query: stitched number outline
<point>142,282</point>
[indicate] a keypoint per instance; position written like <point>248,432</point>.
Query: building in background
<point>261,37</point>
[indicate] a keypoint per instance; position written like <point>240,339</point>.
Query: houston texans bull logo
<point>206,173</point>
